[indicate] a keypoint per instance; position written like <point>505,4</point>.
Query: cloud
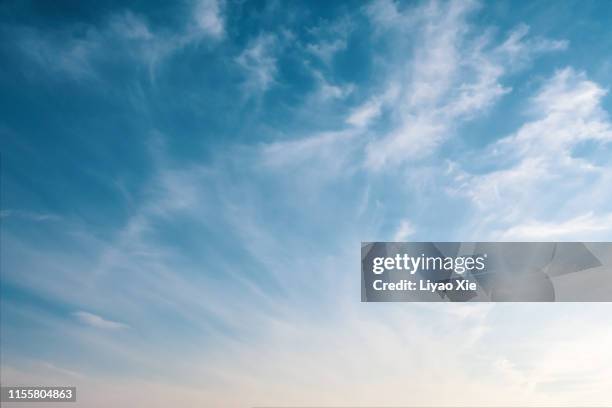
<point>404,231</point>
<point>325,91</point>
<point>79,51</point>
<point>326,50</point>
<point>399,350</point>
<point>329,39</point>
<point>569,106</point>
<point>587,226</point>
<point>209,18</point>
<point>443,76</point>
<point>452,76</point>
<point>98,322</point>
<point>520,49</point>
<point>72,56</point>
<point>443,71</point>
<point>363,115</point>
<point>259,62</point>
<point>248,221</point>
<point>323,157</point>
<point>29,215</point>
<point>130,26</point>
<point>538,161</point>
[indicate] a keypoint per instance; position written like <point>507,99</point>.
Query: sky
<point>185,187</point>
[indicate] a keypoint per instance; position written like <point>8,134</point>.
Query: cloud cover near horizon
<point>185,186</point>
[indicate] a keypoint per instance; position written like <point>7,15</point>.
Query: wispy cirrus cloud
<point>539,160</point>
<point>29,215</point>
<point>444,76</point>
<point>79,52</point>
<point>98,322</point>
<point>452,75</point>
<point>584,226</point>
<point>236,265</point>
<point>259,62</point>
<point>329,39</point>
<point>520,49</point>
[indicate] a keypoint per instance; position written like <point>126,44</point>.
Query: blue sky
<point>185,186</point>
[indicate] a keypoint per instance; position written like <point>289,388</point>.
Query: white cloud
<point>368,357</point>
<point>520,49</point>
<point>326,50</point>
<point>209,18</point>
<point>421,116</point>
<point>443,76</point>
<point>583,227</point>
<point>76,51</point>
<point>451,77</point>
<point>329,39</point>
<point>404,231</point>
<point>537,161</point>
<point>569,107</point>
<point>258,60</point>
<point>368,354</point>
<point>385,14</point>
<point>321,158</point>
<point>326,91</point>
<point>363,115</point>
<point>98,322</point>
